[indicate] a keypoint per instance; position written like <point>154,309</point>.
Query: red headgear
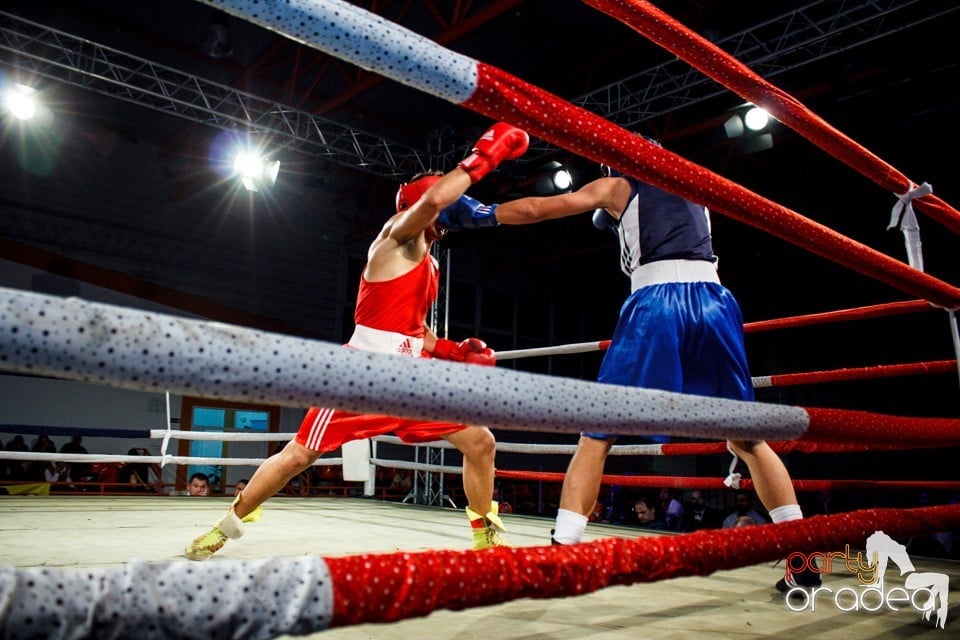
<point>410,192</point>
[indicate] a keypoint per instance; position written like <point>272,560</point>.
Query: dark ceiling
<point>891,86</point>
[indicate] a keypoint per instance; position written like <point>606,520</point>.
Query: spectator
<point>240,486</point>
<point>743,503</point>
<point>35,470</point>
<point>17,469</point>
<point>17,444</point>
<point>646,513</point>
<point>327,477</point>
<point>44,444</point>
<point>596,514</point>
<point>505,507</point>
<point>402,481</point>
<point>79,471</point>
<point>56,472</point>
<point>744,521</point>
<point>199,484</point>
<point>824,502</point>
<point>672,510</point>
<point>135,474</point>
<point>524,498</point>
<point>698,515</point>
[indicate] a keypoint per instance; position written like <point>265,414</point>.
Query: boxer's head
<point>410,192</point>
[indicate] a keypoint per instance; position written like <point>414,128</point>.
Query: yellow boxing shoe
<point>487,529</point>
<point>206,545</point>
<point>230,526</point>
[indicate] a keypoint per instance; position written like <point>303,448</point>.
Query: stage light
<point>749,128</point>
<point>756,118</point>
<point>255,172</point>
<point>746,120</point>
<point>550,179</point>
<point>21,101</point>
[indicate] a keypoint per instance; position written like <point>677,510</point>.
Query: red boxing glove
<point>476,351</point>
<point>446,350</point>
<point>471,351</point>
<point>500,142</point>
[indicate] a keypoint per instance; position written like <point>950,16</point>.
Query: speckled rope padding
<point>367,40</point>
<point>248,599</point>
<point>79,340</point>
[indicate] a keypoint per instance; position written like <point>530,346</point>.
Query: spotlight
<point>21,101</point>
<point>562,180</point>
<point>749,127</point>
<point>756,118</point>
<point>552,178</point>
<point>255,172</point>
<point>747,118</point>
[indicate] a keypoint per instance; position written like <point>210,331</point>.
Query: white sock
<point>786,513</point>
<point>570,527</point>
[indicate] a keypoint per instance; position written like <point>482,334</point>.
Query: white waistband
<point>379,341</point>
<point>664,271</point>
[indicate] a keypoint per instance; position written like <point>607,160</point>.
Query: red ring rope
<point>390,587</point>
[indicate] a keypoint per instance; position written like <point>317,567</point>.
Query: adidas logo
<point>405,348</point>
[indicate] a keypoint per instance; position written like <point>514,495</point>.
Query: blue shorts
<point>685,337</point>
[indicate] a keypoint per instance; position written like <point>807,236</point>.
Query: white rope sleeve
<point>248,600</point>
<point>367,40</point>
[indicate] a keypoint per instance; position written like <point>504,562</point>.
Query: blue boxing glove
<point>467,213</point>
<point>603,220</point>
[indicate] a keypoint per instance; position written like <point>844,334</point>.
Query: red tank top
<point>399,304</point>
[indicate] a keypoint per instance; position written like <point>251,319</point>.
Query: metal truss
<point>33,48</point>
<point>428,485</point>
<point>801,36</point>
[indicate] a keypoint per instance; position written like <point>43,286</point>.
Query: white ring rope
<point>416,466</point>
<point>166,436</point>
<point>759,382</point>
<point>502,447</point>
<point>105,344</point>
<point>110,458</point>
<point>222,436</point>
<point>542,449</point>
<point>577,347</point>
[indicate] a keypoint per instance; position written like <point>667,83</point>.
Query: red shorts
<point>327,429</point>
